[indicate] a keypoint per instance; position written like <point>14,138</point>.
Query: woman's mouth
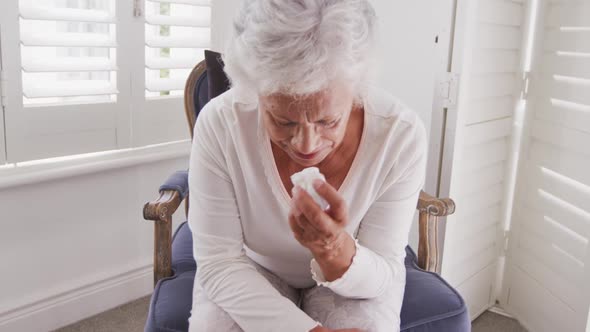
<point>306,156</point>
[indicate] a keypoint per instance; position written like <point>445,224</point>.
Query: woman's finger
<point>312,212</point>
<point>300,218</point>
<point>297,230</point>
<point>306,225</point>
<point>338,208</point>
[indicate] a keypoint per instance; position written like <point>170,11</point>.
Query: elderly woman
<point>269,258</point>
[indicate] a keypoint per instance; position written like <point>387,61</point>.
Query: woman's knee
<point>207,316</point>
<point>337,312</point>
<point>211,318</point>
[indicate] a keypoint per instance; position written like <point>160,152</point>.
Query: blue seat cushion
<point>430,304</point>
<point>201,93</point>
<point>182,250</point>
<point>171,303</point>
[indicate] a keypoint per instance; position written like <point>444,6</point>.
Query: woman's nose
<point>306,139</point>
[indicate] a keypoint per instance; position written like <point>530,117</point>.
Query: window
<point>72,82</point>
<point>175,35</point>
<point>68,51</point>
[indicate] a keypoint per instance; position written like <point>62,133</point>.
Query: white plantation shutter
<point>548,271</point>
<point>83,76</point>
<point>176,33</point>
<point>489,62</point>
<point>61,78</point>
<point>67,50</point>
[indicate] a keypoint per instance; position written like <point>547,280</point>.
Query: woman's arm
<point>383,233</point>
<point>223,270</point>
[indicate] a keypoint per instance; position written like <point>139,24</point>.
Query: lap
<point>320,303</point>
<point>337,312</point>
<point>207,316</point>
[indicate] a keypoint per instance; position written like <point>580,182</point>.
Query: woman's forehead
<point>322,103</point>
<point>309,109</point>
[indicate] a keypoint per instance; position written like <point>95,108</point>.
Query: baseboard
<point>475,315</point>
<point>492,307</point>
<point>500,311</point>
<point>69,307</point>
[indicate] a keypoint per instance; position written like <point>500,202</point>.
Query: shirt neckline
<point>270,166</point>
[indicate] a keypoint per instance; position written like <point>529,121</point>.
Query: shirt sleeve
<point>383,232</point>
<point>223,270</point>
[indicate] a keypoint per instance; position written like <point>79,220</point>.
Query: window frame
<point>38,132</point>
<point>34,132</point>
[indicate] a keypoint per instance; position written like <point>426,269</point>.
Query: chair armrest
<point>172,193</point>
<point>178,182</point>
<point>430,209</point>
<point>439,207</point>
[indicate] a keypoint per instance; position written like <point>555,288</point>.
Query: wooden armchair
<point>161,210</point>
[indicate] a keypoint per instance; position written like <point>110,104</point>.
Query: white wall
<point>75,246</point>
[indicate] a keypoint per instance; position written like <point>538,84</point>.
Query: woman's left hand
<point>322,232</point>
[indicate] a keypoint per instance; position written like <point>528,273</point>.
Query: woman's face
<point>308,128</point>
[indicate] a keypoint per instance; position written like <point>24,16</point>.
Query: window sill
<point>13,175</point>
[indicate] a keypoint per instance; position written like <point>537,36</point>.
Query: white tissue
<point>304,179</point>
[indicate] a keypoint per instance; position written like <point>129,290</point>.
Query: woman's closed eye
<point>290,124</point>
<point>286,124</point>
<point>327,123</point>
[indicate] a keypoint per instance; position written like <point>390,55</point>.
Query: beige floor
<point>491,322</point>
<point>131,317</point>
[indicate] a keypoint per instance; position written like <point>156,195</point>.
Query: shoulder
<point>222,113</point>
<point>394,123</point>
<point>213,114</point>
<point>401,148</point>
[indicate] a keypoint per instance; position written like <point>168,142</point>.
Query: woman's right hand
<point>325,329</point>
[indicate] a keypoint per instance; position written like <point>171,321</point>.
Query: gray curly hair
<point>298,47</point>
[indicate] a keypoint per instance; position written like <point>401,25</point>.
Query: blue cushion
<point>216,77</point>
<point>430,304</point>
<point>182,250</point>
<point>201,93</point>
<point>171,303</point>
<point>177,181</point>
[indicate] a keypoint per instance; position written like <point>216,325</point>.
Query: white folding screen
<point>487,55</point>
<point>548,266</point>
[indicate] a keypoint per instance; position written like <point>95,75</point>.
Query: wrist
<point>335,262</point>
<point>338,249</point>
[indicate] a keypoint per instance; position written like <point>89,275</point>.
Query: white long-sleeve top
<point>239,208</point>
